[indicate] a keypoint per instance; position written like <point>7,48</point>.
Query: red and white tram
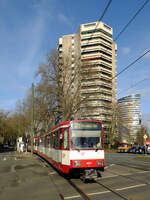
<point>75,146</point>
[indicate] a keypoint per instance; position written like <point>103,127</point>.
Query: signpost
<point>145,137</point>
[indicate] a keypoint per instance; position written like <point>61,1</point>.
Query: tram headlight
<point>77,163</point>
<point>99,163</point>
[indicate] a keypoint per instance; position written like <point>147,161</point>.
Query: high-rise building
<point>130,112</point>
<point>91,55</point>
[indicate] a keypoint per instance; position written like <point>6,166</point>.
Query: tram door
<point>65,147</point>
<point>60,144</point>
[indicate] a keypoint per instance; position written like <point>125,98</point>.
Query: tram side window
<point>60,139</point>
<point>48,141</point>
<point>41,142</point>
<point>51,140</point>
<point>66,138</point>
<point>55,140</point>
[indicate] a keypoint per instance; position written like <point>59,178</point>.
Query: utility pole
<point>32,122</point>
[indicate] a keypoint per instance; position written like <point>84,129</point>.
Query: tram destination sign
<point>85,125</point>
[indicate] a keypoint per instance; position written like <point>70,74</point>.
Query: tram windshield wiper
<point>77,148</point>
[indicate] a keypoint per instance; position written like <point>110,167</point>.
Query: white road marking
<point>72,197</point>
<point>95,193</point>
<point>130,187</point>
<point>142,172</point>
<point>109,166</point>
<point>105,192</point>
<point>51,173</point>
<point>127,174</point>
<point>13,168</point>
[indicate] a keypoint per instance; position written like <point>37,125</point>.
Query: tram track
<point>98,188</point>
<point>133,166</point>
<point>80,194</point>
<point>126,176</point>
<point>112,190</point>
<point>78,185</point>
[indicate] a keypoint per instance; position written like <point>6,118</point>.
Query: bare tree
<point>117,131</point>
<point>140,135</point>
<point>58,91</point>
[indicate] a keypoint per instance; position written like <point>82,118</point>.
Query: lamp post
<point>32,122</point>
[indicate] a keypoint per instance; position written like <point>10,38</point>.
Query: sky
<point>31,28</point>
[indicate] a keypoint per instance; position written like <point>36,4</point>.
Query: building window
<point>106,26</point>
<point>88,25</point>
<point>95,31</point>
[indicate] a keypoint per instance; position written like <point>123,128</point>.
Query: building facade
<point>130,112</point>
<point>92,69</point>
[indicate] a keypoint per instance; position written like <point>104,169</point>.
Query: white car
<point>148,149</point>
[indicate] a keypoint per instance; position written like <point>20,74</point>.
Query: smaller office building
<point>130,113</point>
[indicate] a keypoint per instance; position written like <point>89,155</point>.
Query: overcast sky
<point>30,28</point>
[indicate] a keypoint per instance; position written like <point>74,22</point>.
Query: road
<point>125,177</point>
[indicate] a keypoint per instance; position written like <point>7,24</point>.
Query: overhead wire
<point>124,28</point>
<point>105,10</point>
<point>134,85</point>
<point>131,64</point>
<point>101,17</point>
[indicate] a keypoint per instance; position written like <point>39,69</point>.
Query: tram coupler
<point>89,174</point>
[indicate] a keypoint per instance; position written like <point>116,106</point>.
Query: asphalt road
<point>25,178</point>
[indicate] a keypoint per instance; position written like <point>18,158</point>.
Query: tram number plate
<point>89,163</point>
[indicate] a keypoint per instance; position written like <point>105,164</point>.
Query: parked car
<point>140,149</point>
<point>132,149</point>
<point>148,149</point>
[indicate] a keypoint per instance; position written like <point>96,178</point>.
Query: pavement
<point>24,177</point>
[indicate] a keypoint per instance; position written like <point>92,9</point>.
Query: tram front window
<point>86,136</point>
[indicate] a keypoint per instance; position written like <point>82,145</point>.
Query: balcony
<point>96,83</point>
<point>106,59</point>
<point>106,91</point>
<point>90,90</point>
<point>107,66</point>
<point>106,39</point>
<point>105,78</point>
<point>96,50</point>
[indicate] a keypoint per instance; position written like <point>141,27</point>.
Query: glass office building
<point>130,112</point>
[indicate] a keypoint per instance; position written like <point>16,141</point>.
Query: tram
<point>74,147</point>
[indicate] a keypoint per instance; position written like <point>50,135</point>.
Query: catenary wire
<point>124,28</point>
<point>134,85</point>
<point>105,10</point>
<point>101,17</point>
<point>131,64</point>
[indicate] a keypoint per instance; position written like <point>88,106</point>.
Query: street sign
<point>145,137</point>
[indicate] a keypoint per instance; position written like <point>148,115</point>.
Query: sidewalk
<point>25,178</point>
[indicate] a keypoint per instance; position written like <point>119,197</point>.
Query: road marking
<point>72,197</point>
<point>51,173</point>
<point>127,174</point>
<point>13,168</point>
<point>95,193</point>
<point>143,172</point>
<point>109,166</point>
<point>130,187</point>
